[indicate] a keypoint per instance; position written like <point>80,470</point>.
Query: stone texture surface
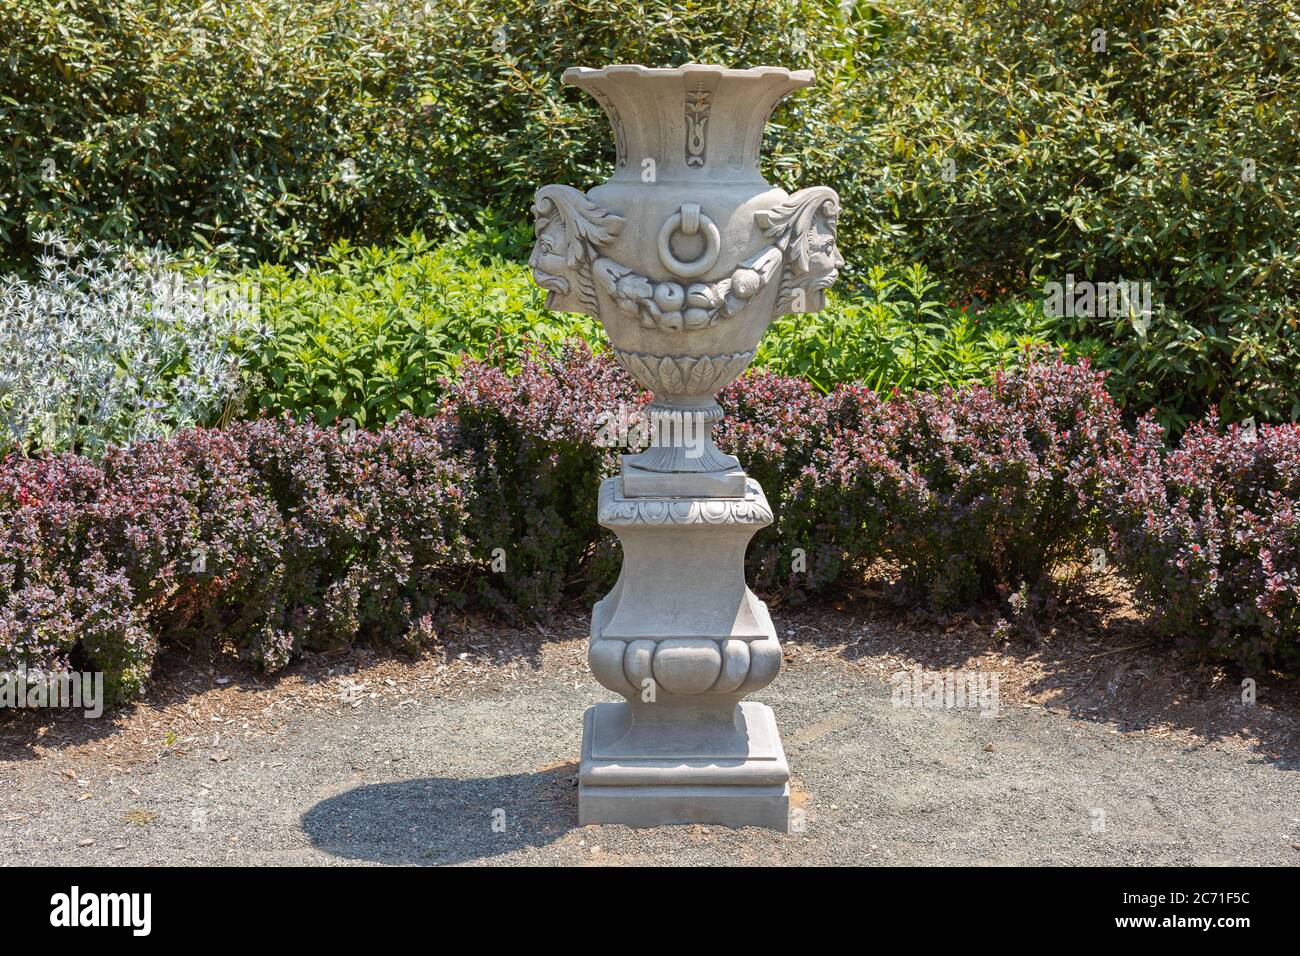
<point>725,767</point>
<point>639,483</point>
<point>686,254</point>
<point>683,639</point>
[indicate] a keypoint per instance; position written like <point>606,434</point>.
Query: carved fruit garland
<point>669,306</point>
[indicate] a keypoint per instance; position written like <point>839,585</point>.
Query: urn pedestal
<point>683,639</point>
<point>686,255</point>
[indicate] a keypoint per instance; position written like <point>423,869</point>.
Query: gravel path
<point>876,784</point>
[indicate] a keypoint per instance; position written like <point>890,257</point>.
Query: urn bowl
<point>686,254</point>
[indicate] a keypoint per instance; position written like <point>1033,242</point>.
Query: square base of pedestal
<point>664,806</point>
<point>729,787</point>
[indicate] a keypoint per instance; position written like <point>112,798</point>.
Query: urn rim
<point>576,75</point>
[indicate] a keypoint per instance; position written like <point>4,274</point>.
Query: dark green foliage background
<point>187,122</point>
<point>1125,163</point>
<point>273,128</point>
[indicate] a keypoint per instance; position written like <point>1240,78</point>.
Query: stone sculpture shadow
<point>436,821</point>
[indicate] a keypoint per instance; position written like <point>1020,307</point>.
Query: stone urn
<point>685,255</point>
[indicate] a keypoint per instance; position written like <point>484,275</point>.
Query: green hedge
<point>1122,163</point>
<point>277,128</point>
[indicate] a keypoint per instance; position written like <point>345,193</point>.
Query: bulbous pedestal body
<point>685,255</point>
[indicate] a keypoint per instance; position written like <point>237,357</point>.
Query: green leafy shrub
<point>370,333</point>
<point>1169,156</point>
<point>891,332</point>
<point>276,128</point>
<point>366,334</point>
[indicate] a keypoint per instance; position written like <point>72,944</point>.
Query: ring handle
<point>690,221</point>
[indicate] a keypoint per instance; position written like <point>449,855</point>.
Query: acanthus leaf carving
<point>684,374</point>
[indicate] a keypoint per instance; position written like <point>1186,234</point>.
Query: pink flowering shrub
<point>1209,535</point>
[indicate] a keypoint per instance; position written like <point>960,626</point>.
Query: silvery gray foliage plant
<point>111,346</point>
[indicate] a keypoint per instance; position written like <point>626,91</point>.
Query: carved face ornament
<point>549,259</point>
<point>824,259</point>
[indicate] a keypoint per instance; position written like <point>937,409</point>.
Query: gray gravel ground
<point>876,784</point>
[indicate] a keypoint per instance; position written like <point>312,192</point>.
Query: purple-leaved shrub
<point>778,427</point>
<point>277,537</point>
<point>1209,535</point>
<point>535,446</point>
<point>65,600</point>
<point>998,482</point>
<point>975,494</point>
<point>271,535</point>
